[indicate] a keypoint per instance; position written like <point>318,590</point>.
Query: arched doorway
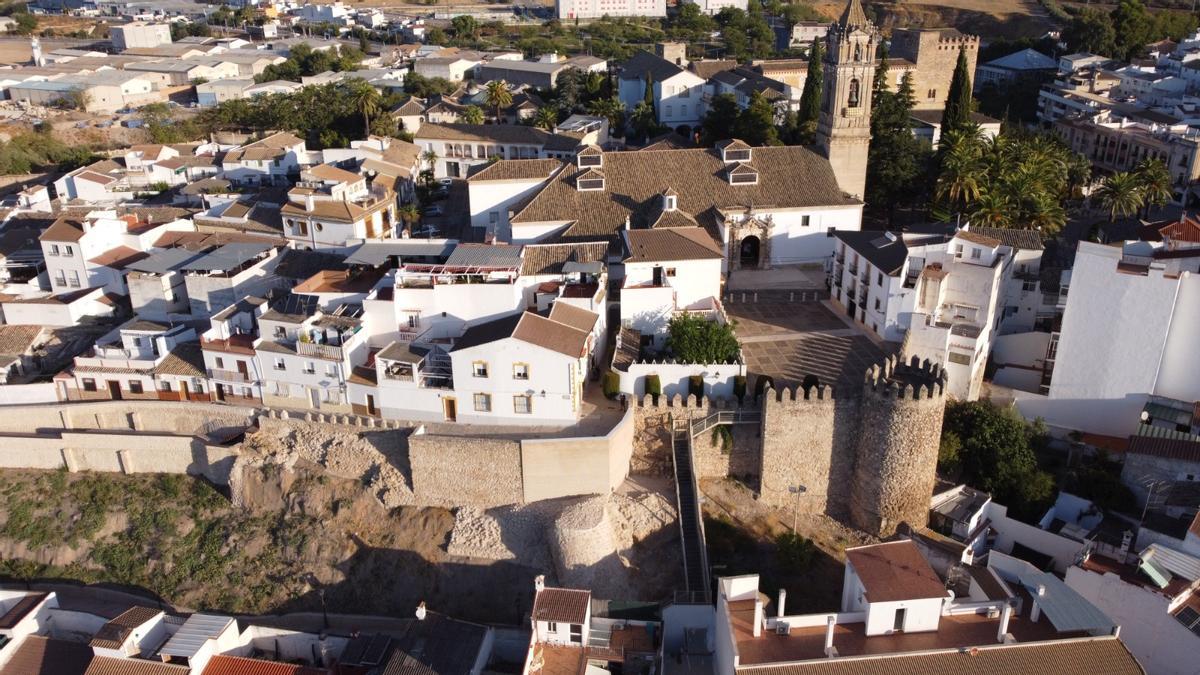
<point>748,252</point>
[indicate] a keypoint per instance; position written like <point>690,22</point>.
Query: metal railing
<point>319,351</point>
<point>725,417</point>
<point>228,375</point>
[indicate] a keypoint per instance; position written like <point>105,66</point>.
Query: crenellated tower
<point>844,127</point>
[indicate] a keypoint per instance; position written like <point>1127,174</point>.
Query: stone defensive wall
<point>868,454</point>
<point>403,465</point>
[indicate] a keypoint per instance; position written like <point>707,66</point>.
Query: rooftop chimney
<point>539,583</point>
<point>1005,615</point>
<point>830,622</point>
<point>421,611</point>
<point>779,613</point>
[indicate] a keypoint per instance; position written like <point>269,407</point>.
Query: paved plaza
<point>789,335</point>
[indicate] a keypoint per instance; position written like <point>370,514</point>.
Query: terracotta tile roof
<point>20,609</point>
<point>63,229</point>
<point>976,237</point>
<point>1030,240</point>
<point>16,340</point>
<point>1167,448</point>
<point>708,68</point>
<point>118,257</point>
<point>1083,656</point>
<point>36,655</point>
<point>487,133</point>
<point>334,209</point>
<point>676,243</point>
<point>788,177</point>
<point>107,665</point>
<point>550,258</point>
<point>186,359</point>
<point>895,571</point>
<point>549,334</point>
<point>329,172</point>
<point>112,634</point>
<point>237,665</point>
<point>573,316</point>
<point>561,605</point>
<point>1186,229</point>
<point>517,169</point>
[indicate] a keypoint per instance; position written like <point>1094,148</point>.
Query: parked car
<point>434,210</point>
<point>426,231</point>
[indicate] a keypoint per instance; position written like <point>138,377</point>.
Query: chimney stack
<point>779,613</point>
<point>539,583</point>
<point>421,611</point>
<point>1005,615</point>
<point>830,622</point>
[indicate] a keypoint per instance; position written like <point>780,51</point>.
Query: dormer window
<point>590,157</point>
<point>589,181</point>
<point>743,174</point>
<point>735,151</point>
<point>669,202</point>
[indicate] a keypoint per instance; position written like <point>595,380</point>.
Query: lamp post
<point>796,490</point>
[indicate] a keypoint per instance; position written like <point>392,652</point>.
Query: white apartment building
<point>944,294</point>
<point>94,251</point>
<point>126,363</point>
<point>230,361</point>
<point>139,35</point>
<point>459,148</point>
<point>1131,322</point>
<point>678,93</point>
<point>668,271</point>
<point>329,207</point>
<point>306,360</point>
<point>594,9</point>
<point>714,6</point>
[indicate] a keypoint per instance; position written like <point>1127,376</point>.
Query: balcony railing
<point>328,352</point>
<point>228,375</point>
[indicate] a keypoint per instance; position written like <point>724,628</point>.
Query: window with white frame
<point>60,278</point>
<point>520,371</point>
<point>483,403</point>
<point>523,404</point>
<point>309,368</point>
<point>68,251</point>
<point>976,253</point>
<point>53,249</point>
<point>479,369</point>
<point>280,364</point>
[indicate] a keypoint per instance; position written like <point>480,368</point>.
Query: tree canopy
<point>694,339</point>
<point>959,104</point>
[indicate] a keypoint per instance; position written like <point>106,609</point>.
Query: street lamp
<point>796,490</point>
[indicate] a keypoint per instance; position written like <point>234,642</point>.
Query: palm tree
<point>992,209</point>
<point>1120,194</point>
<point>963,169</point>
<point>365,99</point>
<point>472,115</point>
<point>1154,182</point>
<point>498,96</point>
<point>546,118</point>
<point>1046,214</point>
<point>409,214</point>
<point>611,108</point>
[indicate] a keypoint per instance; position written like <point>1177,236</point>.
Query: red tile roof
<point>237,665</point>
<point>21,608</point>
<point>895,571</point>
<point>1185,229</point>
<point>561,605</point>
<point>1168,448</point>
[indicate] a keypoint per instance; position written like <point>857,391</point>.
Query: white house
<point>268,161</point>
<point>520,368</point>
<point>331,206</point>
<point>306,359</point>
<point>136,631</point>
<point>594,9</point>
<point>669,270</point>
<point>678,93</point>
<point>229,357</point>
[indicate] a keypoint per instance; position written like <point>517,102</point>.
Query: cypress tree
<point>810,97</point>
<point>957,114</point>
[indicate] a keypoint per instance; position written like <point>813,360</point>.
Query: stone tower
<point>844,128</point>
<point>897,445</point>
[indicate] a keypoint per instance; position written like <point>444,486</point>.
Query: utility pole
<point>796,490</point>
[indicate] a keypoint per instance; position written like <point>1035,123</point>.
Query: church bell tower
<point>844,128</point>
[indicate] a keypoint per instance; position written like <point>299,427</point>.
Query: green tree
<point>694,339</point>
<point>756,124</point>
<point>498,96</point>
<point>26,23</point>
<point>464,26</point>
<point>365,99</point>
<point>1131,24</point>
<point>810,96</point>
<point>1091,31</point>
<point>720,119</point>
<point>996,454</point>
<point>546,118</point>
<point>959,103</point>
<point>1154,182</point>
<point>472,115</point>
<point>611,108</point>
<point>1120,194</point>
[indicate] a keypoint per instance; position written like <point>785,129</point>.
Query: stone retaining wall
<point>463,470</point>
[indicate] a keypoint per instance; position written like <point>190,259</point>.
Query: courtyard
<point>790,334</point>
